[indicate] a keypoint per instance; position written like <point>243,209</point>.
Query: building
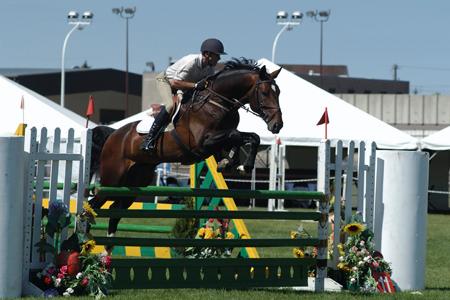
<point>107,86</point>
<point>335,80</point>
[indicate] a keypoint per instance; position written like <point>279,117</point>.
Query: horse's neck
<point>233,85</point>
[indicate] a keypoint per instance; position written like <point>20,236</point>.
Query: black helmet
<point>212,45</point>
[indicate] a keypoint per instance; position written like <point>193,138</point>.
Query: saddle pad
<point>147,121</point>
<point>145,124</point>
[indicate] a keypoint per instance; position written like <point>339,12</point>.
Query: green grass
<point>437,268</point>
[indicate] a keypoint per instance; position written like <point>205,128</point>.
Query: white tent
<point>437,141</point>
<point>302,104</point>
<point>38,111</point>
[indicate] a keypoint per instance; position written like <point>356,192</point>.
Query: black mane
<point>241,64</point>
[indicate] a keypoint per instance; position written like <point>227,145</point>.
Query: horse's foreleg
<point>234,140</point>
<point>253,140</point>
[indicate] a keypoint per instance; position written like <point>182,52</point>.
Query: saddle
<point>147,119</point>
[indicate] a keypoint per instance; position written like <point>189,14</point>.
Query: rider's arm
<point>181,84</point>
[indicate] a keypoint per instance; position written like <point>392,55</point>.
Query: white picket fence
<point>335,173</point>
<point>60,153</point>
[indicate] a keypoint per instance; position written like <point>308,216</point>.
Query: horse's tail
<point>99,136</point>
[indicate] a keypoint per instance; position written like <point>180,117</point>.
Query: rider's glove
<point>201,85</point>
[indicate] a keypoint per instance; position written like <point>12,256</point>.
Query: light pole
<point>125,13</point>
<point>73,19</point>
<point>288,24</point>
<point>320,16</point>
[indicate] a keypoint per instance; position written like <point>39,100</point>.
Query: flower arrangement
<point>301,252</point>
<point>212,229</point>
<point>365,268</point>
<point>75,270</point>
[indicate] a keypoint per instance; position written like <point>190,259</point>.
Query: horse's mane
<point>241,64</point>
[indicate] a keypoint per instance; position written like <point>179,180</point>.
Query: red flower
<point>106,260</point>
<point>84,282</point>
<point>47,280</point>
<point>63,270</point>
<point>60,275</point>
<point>73,264</point>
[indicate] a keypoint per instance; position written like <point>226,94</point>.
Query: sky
<point>369,37</point>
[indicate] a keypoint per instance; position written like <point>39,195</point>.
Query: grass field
<point>437,270</point>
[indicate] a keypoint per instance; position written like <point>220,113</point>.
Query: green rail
<point>232,243</point>
<point>215,214</point>
<point>210,273</point>
<point>196,192</point>
<point>129,227</point>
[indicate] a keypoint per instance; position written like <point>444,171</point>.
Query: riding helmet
<point>212,45</point>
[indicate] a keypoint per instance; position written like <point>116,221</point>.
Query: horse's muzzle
<point>275,127</point>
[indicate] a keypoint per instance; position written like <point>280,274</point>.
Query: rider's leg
<point>163,118</point>
<point>158,126</point>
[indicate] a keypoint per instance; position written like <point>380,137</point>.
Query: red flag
<point>22,103</point>
<point>324,119</point>
<point>90,107</point>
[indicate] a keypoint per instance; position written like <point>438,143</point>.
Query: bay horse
<point>206,125</point>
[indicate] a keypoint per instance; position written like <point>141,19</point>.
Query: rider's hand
<point>201,85</point>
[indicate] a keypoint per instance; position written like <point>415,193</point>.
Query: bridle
<point>238,103</point>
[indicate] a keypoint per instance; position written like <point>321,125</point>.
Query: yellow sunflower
<point>209,233</point>
<point>294,234</point>
<point>298,252</point>
<point>341,249</point>
<point>88,209</point>
<point>229,236</point>
<point>201,232</point>
<point>344,267</point>
<point>87,247</point>
<point>354,228</point>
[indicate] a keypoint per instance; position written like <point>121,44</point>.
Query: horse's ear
<point>274,74</point>
<point>263,72</point>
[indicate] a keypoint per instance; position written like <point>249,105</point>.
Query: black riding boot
<point>158,126</point>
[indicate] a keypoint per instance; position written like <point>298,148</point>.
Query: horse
<point>206,125</point>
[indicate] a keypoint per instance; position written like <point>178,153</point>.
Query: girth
<point>188,153</point>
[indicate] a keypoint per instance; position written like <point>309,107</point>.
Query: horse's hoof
<point>241,169</point>
<point>222,164</point>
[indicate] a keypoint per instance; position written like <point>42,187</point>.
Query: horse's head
<point>242,82</point>
<point>265,100</point>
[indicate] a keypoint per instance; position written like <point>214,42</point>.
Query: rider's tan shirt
<point>188,68</point>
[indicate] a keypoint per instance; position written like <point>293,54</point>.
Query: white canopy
<point>303,104</point>
<point>38,111</point>
<point>437,141</point>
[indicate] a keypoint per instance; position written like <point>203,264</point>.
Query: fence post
<point>337,202</point>
<point>11,215</point>
<point>272,174</point>
<point>323,185</point>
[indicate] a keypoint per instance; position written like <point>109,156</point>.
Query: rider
<point>186,74</point>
